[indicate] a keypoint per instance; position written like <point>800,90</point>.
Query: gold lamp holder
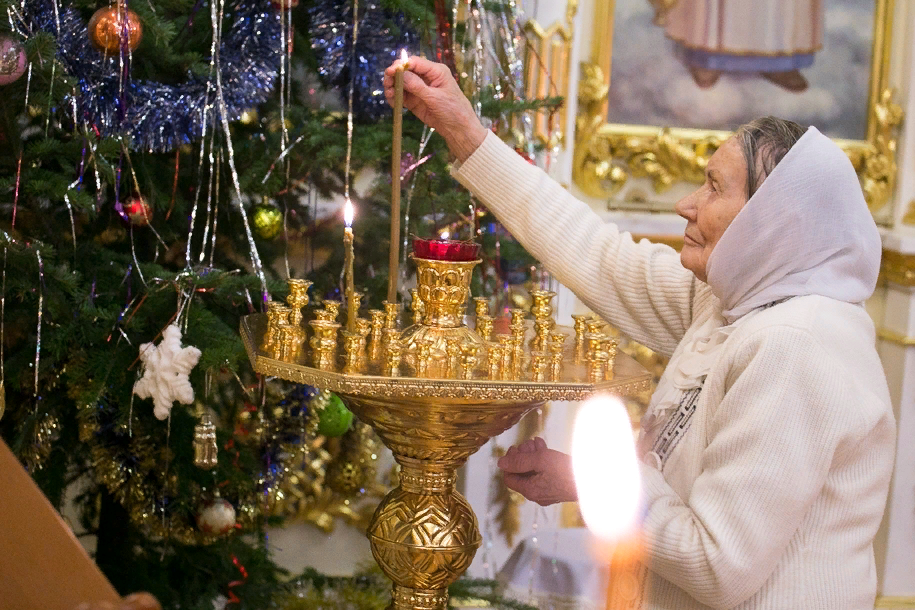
<point>435,393</point>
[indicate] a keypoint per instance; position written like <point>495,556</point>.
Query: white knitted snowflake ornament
<point>165,372</point>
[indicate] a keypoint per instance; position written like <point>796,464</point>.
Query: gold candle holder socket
<point>277,314</point>
<point>481,307</point>
<point>593,344</point>
<point>469,360</point>
<point>363,329</point>
<point>325,315</point>
<point>493,359</point>
<point>594,325</point>
<point>333,308</point>
<point>538,366</point>
<point>484,327</point>
<point>541,307</point>
<point>297,298</point>
<point>392,357</point>
<point>376,335</point>
<point>580,331</point>
<point>351,352</point>
<point>517,317</point>
<point>597,366</point>
<point>507,351</point>
<point>541,338</point>
<point>423,357</point>
<point>416,306</point>
<point>557,345</point>
<point>289,342</point>
<point>453,356</point>
<point>391,314</point>
<point>324,344</point>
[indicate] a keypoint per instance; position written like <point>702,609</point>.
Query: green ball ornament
<point>334,419</point>
<point>268,221</point>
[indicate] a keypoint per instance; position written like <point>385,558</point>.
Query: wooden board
<point>42,564</point>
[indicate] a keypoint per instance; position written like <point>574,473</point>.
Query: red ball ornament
<point>107,26</point>
<point>138,211</point>
<point>216,518</point>
<point>12,60</point>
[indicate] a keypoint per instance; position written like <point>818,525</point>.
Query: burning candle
<point>348,213</point>
<point>393,261</point>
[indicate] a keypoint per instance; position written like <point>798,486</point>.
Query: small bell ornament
<point>205,449</point>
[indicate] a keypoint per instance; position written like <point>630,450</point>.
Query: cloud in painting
<point>651,86</point>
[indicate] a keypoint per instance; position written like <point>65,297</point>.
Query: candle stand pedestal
<point>435,394</point>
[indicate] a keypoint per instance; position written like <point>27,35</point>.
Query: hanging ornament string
<point>216,15</point>
<point>28,82</point>
<point>349,111</point>
<point>285,68</point>
<point>40,314</point>
<point>212,211</point>
<point>281,157</point>
<point>204,143</point>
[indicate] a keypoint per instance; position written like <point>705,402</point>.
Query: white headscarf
<point>807,230</point>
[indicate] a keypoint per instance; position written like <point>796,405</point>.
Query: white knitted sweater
<point>773,495</point>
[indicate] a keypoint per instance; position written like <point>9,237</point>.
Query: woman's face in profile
<point>712,207</point>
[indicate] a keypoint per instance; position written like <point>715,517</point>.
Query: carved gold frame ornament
<point>606,155</point>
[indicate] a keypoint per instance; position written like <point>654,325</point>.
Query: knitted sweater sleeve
<point>783,418</point>
<point>639,287</point>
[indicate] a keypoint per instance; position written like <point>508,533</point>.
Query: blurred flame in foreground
<point>606,469</point>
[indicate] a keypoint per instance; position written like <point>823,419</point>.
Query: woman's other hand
<point>432,94</point>
<point>539,474</point>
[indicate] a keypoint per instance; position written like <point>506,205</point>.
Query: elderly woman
<point>768,446</point>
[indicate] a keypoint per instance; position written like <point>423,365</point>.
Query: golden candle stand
<point>435,393</point>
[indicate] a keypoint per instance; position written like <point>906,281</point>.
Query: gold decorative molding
<point>909,218</point>
<point>898,268</point>
<point>606,155</point>
<point>546,72</point>
<point>892,336</point>
<point>895,602</point>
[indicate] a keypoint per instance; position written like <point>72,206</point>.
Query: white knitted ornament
<point>165,372</point>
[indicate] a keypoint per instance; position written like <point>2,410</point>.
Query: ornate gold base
<point>424,533</point>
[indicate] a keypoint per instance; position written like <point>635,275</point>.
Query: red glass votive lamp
<point>446,249</point>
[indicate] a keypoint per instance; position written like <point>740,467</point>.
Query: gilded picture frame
<point>607,155</point>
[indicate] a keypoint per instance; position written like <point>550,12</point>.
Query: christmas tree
<point>165,166</point>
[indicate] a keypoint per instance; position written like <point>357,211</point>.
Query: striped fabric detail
<point>676,425</point>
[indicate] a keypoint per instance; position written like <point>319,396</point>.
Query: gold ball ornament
<point>216,517</point>
<point>345,477</point>
<point>107,26</point>
<point>138,211</point>
<point>268,221</point>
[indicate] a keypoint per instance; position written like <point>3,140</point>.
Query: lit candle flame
<point>446,234</point>
<point>404,57</point>
<point>605,467</point>
<point>348,212</point>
